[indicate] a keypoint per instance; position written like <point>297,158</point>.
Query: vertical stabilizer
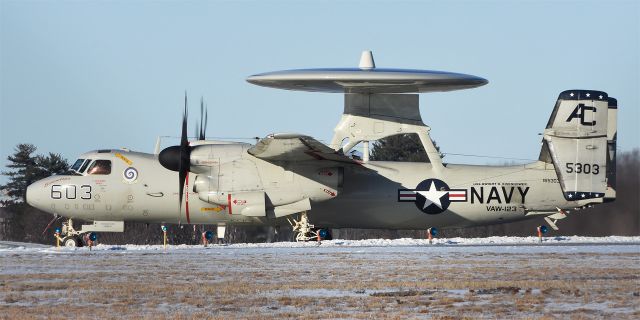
<point>612,141</point>
<point>576,141</point>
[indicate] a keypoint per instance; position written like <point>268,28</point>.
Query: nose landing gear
<point>69,237</point>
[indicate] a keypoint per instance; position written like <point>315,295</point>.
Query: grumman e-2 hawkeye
<point>293,178</point>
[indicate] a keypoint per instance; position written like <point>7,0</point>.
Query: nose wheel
<point>71,242</point>
<point>70,237</point>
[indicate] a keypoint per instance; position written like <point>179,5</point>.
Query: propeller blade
<point>182,177</point>
<point>178,158</point>
<point>183,137</point>
<point>204,131</point>
<point>185,153</point>
<point>201,135</point>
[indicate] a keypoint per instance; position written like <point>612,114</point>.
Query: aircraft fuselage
<point>396,195</point>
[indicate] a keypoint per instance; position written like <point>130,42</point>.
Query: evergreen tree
<point>402,147</point>
<point>26,168</point>
<point>24,172</point>
<point>51,164</point>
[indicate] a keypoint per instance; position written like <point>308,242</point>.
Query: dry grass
<point>216,284</point>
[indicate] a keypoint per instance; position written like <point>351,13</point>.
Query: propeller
<point>201,128</point>
<point>185,153</point>
<point>178,158</point>
<point>203,121</point>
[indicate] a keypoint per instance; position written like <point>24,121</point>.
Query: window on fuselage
<point>84,166</point>
<point>100,167</point>
<point>76,165</point>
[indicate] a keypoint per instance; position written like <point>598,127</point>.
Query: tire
<point>71,242</point>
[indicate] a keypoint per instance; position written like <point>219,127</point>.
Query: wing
<point>296,148</point>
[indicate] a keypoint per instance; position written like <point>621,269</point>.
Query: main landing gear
<point>305,231</point>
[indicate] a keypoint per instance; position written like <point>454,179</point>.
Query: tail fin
<point>612,141</point>
<point>575,141</point>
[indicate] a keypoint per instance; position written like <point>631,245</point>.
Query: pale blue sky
<point>77,76</point>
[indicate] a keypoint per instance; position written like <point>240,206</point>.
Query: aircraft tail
<point>612,144</point>
<point>580,141</point>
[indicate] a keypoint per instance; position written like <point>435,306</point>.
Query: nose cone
<point>35,192</point>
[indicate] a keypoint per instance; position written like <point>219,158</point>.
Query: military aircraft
<point>293,178</point>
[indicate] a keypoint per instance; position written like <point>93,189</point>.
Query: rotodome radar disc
<point>366,79</point>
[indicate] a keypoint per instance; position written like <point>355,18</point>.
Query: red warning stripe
<point>186,199</point>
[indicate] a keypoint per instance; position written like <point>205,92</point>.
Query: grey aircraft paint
<point>286,175</point>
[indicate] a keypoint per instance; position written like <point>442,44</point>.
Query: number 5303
<point>585,168</point>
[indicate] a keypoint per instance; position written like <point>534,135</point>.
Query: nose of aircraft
<point>34,194</point>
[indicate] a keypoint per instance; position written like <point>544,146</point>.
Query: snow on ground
<point>495,278</point>
<point>404,242</point>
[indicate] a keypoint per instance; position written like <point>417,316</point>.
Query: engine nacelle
<point>212,155</point>
<point>333,179</point>
<point>204,184</point>
<point>250,204</point>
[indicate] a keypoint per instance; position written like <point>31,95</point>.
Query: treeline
<point>21,222</point>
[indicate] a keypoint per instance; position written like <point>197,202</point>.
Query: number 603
<point>70,191</point>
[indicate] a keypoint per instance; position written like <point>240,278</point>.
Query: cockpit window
<point>77,165</point>
<point>100,167</point>
<point>84,166</point>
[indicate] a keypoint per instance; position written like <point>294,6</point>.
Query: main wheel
<point>71,242</point>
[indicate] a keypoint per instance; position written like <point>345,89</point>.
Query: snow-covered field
<point>602,242</point>
<point>496,277</point>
